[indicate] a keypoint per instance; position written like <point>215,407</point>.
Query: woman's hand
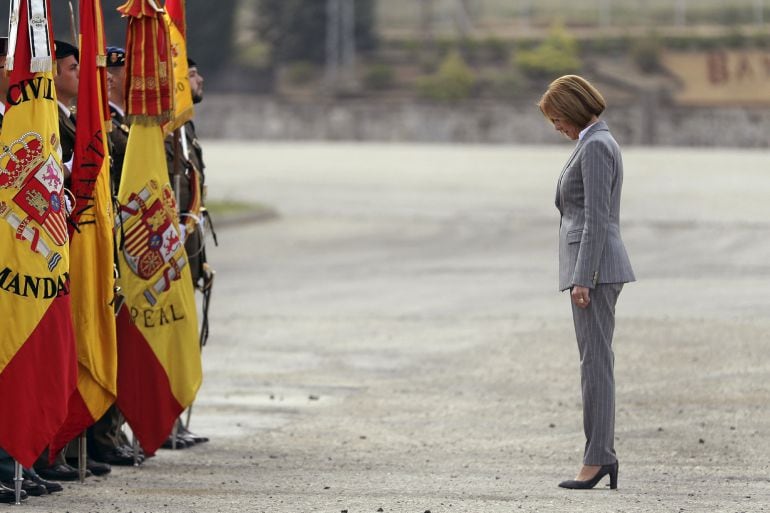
<point>580,296</point>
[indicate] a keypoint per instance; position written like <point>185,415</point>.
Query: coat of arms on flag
<point>39,202</point>
<point>153,243</point>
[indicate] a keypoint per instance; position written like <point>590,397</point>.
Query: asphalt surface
<point>394,340</point>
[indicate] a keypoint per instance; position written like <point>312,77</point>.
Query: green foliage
<point>647,53</point>
<point>510,85</point>
<point>411,47</point>
<point>378,77</point>
<point>603,45</point>
<point>300,73</point>
<point>760,40</point>
<point>495,49</point>
<point>296,29</point>
<point>470,49</point>
<point>444,44</point>
<point>489,49</point>
<point>254,56</point>
<point>453,81</point>
<point>735,38</point>
<point>557,55</point>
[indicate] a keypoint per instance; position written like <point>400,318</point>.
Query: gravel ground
<point>394,340</point>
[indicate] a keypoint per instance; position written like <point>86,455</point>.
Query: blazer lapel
<point>564,170</point>
<point>599,125</point>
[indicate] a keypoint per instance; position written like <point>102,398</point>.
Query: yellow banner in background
<point>721,77</point>
<point>183,104</point>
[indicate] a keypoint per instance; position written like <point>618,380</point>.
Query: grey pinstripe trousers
<point>594,327</point>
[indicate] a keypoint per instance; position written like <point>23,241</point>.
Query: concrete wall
<point>650,122</point>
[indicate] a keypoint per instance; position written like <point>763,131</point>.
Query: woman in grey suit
<point>593,263</point>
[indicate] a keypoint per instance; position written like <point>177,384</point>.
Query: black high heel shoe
<point>611,469</point>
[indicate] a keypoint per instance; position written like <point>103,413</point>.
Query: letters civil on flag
<point>183,104</point>
<point>38,367</point>
<point>159,367</point>
<point>91,240</point>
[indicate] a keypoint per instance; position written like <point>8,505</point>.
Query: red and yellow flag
<point>159,366</point>
<point>183,104</point>
<point>91,239</point>
<point>37,346</point>
<point>150,100</point>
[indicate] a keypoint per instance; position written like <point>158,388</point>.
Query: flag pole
<point>177,191</point>
<point>135,447</point>
<point>82,457</point>
<point>186,154</point>
<point>17,479</point>
<point>177,173</point>
<point>73,27</point>
<point>174,434</point>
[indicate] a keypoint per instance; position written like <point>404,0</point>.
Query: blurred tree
<point>647,53</point>
<point>296,29</point>
<point>557,55</point>
<point>454,80</point>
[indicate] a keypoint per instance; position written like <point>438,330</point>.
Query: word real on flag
<point>159,367</point>
<point>37,346</point>
<point>92,266</point>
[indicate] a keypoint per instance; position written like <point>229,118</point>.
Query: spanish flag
<point>92,267</point>
<point>183,104</point>
<point>159,366</point>
<point>38,366</point>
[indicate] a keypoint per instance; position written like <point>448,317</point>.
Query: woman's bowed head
<point>571,103</point>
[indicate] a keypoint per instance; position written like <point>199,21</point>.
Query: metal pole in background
<point>525,13</point>
<point>463,17</point>
<point>332,44</point>
<point>681,12</point>
<point>426,24</point>
<point>605,13</point>
<point>348,47</point>
<point>759,12</point>
<point>340,46</point>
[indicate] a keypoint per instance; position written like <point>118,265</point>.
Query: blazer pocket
<point>574,236</point>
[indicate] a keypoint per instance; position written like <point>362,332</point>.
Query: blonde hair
<point>573,98</point>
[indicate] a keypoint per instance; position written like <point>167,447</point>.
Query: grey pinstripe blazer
<point>588,197</point>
